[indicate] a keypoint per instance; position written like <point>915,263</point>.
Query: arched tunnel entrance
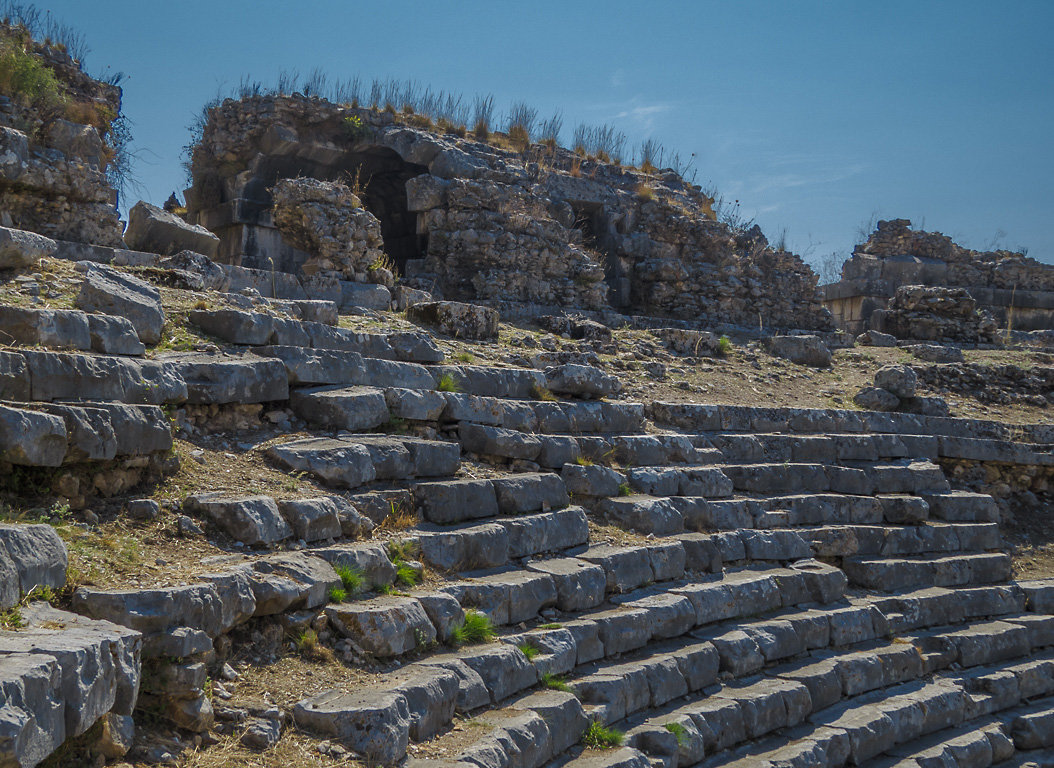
<point>381,175</point>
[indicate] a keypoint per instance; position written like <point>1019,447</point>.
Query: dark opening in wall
<point>382,175</point>
<point>598,235</point>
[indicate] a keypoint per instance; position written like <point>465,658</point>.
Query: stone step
<point>355,460</point>
<point>51,434</point>
<point>59,675</point>
<point>219,378</point>
<point>736,418</point>
<point>242,327</point>
<point>496,543</point>
<point>463,500</point>
<point>831,681</point>
<point>893,574</point>
<point>932,538</point>
<point>355,409</point>
<point>37,375</point>
<point>261,520</point>
<point>914,478</point>
<point>554,451</point>
<point>31,556</point>
<point>69,329</point>
<point>824,449</point>
<point>237,589</point>
<point>939,606</point>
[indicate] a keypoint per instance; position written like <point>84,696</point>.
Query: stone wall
<point>53,156</point>
<point>538,227</point>
<point>1013,288</point>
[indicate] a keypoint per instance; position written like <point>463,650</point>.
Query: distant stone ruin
<point>922,285</point>
<point>538,228</point>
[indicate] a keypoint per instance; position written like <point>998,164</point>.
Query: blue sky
<point>814,115</point>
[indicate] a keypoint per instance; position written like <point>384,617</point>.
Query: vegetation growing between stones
<point>555,682</point>
<point>596,736</point>
<point>337,595</point>
<point>679,732</point>
<point>447,383</point>
<point>474,630</point>
<point>529,651</point>
<point>351,578</point>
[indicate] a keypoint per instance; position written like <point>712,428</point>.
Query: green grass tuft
<point>337,595</point>
<point>406,575</point>
<point>678,731</point>
<point>351,578</point>
<point>555,682</point>
<point>624,489</point>
<point>475,629</point>
<point>529,651</point>
<point>596,736</point>
<point>724,346</point>
<point>447,383</point>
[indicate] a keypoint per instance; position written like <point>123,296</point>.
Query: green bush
<point>406,575</point>
<point>624,489</point>
<point>724,346</point>
<point>24,77</point>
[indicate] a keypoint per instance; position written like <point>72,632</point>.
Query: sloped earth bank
<point>283,535</point>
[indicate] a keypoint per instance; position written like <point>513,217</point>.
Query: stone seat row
<point>358,408</point>
<point>53,434</point>
<point>674,665</point>
<point>701,418</point>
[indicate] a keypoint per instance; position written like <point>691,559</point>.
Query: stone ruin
<point>921,285</point>
<point>500,566</point>
<point>464,220</point>
<point>53,161</point>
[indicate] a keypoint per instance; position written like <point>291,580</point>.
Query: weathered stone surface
<point>804,350</point>
<point>898,379</point>
<point>467,321</point>
<point>234,325</point>
<point>876,399</point>
<point>114,336</point>
<point>384,626</point>
<point>221,378</point>
<point>31,556</point>
<point>591,480</point>
<point>352,408</point>
<point>31,438</point>
<point>581,381</point>
<point>455,501</point>
<point>312,519</point>
<point>47,327</point>
<point>60,376</point>
<point>336,462</point>
<point>109,292</point>
<point>495,441</point>
<point>249,519</point>
<point>156,231</point>
<point>19,248</point>
<point>517,494</point>
<point>374,723</point>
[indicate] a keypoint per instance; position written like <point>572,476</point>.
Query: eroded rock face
<point>53,172</point>
<point>467,221</point>
<point>935,313</point>
<point>327,220</point>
